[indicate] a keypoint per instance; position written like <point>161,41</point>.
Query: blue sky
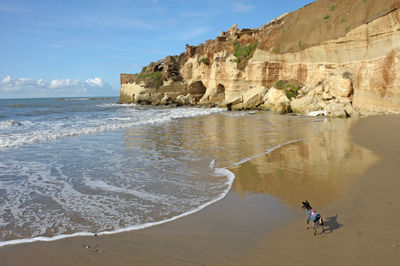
<point>79,48</point>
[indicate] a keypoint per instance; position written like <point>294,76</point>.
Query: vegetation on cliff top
<point>243,54</point>
<point>153,79</point>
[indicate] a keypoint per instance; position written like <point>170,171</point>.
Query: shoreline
<point>231,231</point>
<point>363,221</point>
<point>220,171</point>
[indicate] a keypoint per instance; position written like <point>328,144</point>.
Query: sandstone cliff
<point>337,57</point>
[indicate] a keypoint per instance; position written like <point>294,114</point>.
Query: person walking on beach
<point>313,216</point>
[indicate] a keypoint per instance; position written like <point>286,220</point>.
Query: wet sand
<point>260,222</point>
<point>363,224</point>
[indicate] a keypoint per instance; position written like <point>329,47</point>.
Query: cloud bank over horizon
<point>11,87</point>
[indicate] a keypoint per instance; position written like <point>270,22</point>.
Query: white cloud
<point>41,82</point>
<point>6,79</point>
<point>95,82</point>
<point>241,7</point>
<point>25,87</point>
<point>64,83</point>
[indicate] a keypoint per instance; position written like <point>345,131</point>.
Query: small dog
<point>313,216</point>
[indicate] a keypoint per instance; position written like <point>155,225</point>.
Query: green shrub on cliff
<point>151,79</point>
<point>205,61</point>
<point>291,90</point>
<point>276,50</point>
<point>243,54</point>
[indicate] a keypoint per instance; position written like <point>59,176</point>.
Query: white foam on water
<point>50,131</point>
<point>120,118</point>
<point>266,152</point>
<point>99,184</point>
<point>117,105</point>
<point>103,185</point>
<point>212,164</point>
<point>218,172</point>
<point>9,123</point>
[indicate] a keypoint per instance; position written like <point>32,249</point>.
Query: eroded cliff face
<point>343,63</point>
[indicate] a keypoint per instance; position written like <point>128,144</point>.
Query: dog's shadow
<point>331,224</point>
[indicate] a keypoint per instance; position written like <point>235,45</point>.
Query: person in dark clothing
<point>312,215</point>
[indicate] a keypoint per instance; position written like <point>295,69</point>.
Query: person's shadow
<point>331,224</point>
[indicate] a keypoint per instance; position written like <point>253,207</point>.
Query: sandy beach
<point>260,221</point>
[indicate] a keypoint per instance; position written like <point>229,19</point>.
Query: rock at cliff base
<point>143,98</point>
<point>237,107</point>
<point>253,102</point>
<point>230,102</point>
<point>185,100</point>
<point>276,101</point>
<point>166,100</point>
<point>253,91</point>
<point>339,85</point>
<point>305,105</point>
<point>335,110</point>
<point>351,111</point>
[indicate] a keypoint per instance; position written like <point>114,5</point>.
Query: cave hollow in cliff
<point>197,89</point>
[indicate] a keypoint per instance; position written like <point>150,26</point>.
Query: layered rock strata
<point>343,64</point>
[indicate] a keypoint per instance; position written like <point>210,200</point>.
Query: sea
<point>84,166</point>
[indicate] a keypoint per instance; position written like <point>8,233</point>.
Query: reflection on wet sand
<point>230,231</point>
<point>316,169</point>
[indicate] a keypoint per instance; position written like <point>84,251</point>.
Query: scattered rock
<point>305,105</point>
<point>339,84</point>
<point>230,102</point>
<point>319,90</point>
<point>326,96</point>
<point>185,100</point>
<point>253,101</point>
<point>322,104</point>
<point>237,107</point>
<point>344,101</point>
<point>335,110</point>
<point>350,111</point>
<point>253,91</point>
<point>276,101</point>
<point>166,100</point>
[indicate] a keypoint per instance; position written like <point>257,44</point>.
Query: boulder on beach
<point>228,103</point>
<point>253,102</point>
<point>185,100</point>
<point>305,105</point>
<point>276,101</point>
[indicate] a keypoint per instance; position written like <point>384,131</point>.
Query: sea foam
<point>221,171</point>
<point>218,172</point>
<point>43,131</point>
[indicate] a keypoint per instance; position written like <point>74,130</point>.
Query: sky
<point>51,48</point>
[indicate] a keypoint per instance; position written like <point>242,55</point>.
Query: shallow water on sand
<point>110,168</point>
